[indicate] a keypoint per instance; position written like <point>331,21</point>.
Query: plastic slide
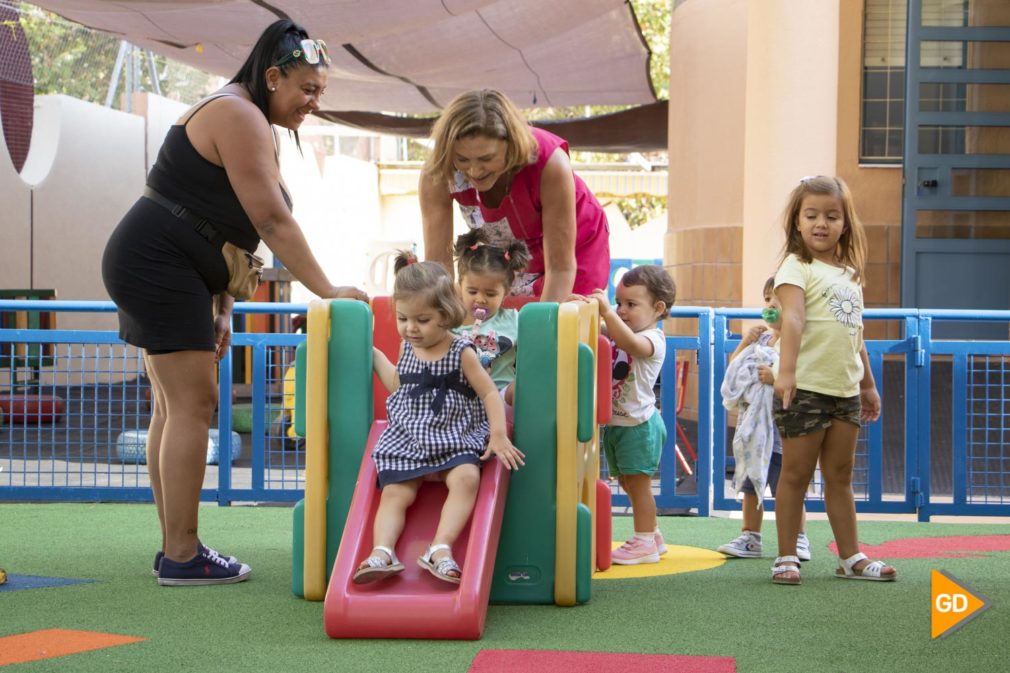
<point>415,604</point>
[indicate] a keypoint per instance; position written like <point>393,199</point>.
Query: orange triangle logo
<point>953,605</point>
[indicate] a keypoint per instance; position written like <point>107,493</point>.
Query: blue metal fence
<point>941,446</point>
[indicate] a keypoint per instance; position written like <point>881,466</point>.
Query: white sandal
<point>443,566</point>
<point>872,571</point>
<point>783,565</point>
<point>376,567</point>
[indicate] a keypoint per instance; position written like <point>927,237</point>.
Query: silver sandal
<point>872,571</point>
<point>376,567</point>
<point>783,565</point>
<point>443,566</point>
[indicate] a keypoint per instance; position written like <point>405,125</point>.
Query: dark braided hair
<point>475,255</point>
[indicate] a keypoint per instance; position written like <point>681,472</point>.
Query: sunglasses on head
<point>313,51</point>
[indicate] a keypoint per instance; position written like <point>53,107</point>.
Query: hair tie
<point>474,246</point>
<point>508,257</point>
<point>411,260</point>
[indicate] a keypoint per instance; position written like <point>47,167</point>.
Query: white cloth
<point>634,400</point>
<point>754,439</point>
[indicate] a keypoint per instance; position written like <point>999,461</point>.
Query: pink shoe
<point>660,542</point>
<point>635,551</point>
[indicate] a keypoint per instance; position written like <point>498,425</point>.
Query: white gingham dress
<point>436,420</point>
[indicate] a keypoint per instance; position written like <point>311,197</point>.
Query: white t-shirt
<point>634,401</point>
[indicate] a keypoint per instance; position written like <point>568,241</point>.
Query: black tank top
<point>182,175</point>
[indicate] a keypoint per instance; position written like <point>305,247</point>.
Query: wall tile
<point>894,283</point>
<point>875,291</point>
<point>876,243</point>
<point>894,244</point>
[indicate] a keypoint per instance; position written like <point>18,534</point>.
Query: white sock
<point>646,537</point>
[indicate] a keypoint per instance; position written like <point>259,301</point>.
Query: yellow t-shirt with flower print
<point>828,361</point>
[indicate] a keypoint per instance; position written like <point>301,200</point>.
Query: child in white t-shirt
<point>633,442</point>
<point>750,364</point>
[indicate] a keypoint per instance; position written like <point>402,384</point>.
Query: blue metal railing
<point>942,445</point>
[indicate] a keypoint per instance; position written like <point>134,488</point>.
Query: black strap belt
<point>200,224</point>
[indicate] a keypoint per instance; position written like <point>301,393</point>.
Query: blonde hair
<point>475,255</point>
<point>431,280</point>
<point>851,250</point>
<point>485,113</point>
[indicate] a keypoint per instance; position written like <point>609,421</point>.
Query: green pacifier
<point>770,315</point>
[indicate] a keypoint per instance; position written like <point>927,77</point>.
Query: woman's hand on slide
<point>348,292</point>
<point>502,448</point>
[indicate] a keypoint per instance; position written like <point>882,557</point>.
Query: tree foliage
<point>70,59</point>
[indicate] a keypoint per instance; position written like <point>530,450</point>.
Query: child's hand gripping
<point>601,298</point>
<point>753,334</point>
<point>503,449</point>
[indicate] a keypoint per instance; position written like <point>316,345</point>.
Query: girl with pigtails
<point>485,273</point>
<point>445,418</point>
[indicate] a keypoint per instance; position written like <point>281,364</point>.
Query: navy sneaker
<point>201,548</point>
<point>203,568</point>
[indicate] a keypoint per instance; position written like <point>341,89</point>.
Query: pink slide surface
<point>414,604</point>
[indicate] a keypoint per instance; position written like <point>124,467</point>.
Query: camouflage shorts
<point>812,412</point>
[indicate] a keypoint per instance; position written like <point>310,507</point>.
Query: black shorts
<point>163,275</point>
<point>811,412</point>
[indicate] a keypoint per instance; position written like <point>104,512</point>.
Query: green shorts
<point>812,412</point>
<point>635,449</point>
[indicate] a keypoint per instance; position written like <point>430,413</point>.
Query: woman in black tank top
<point>219,164</point>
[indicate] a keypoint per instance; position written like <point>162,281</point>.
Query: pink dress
<point>518,217</point>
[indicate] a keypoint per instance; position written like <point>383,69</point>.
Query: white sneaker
<point>802,547</point>
<point>748,545</point>
<point>660,542</point>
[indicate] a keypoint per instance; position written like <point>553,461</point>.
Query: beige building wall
<point>791,121</point>
<point>15,230</point>
<point>704,243</point>
<point>753,108</point>
<point>84,170</point>
<point>876,188</point>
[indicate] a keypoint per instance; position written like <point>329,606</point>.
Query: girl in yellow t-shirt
<point>824,386</point>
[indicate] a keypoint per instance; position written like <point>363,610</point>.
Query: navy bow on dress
<point>439,385</point>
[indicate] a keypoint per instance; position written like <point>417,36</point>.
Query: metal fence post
<point>922,357</point>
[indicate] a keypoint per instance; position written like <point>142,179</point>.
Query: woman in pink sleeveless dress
<point>515,181</point>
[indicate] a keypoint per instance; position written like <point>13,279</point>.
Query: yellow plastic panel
<point>316,442</point>
<point>567,449</point>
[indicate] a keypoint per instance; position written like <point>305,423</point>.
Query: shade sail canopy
<point>407,56</point>
<point>639,129</point>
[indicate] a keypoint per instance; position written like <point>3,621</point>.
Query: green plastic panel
<point>583,554</point>
<point>524,568</point>
<point>298,550</point>
<point>300,374</point>
<point>349,410</point>
<point>587,394</point>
